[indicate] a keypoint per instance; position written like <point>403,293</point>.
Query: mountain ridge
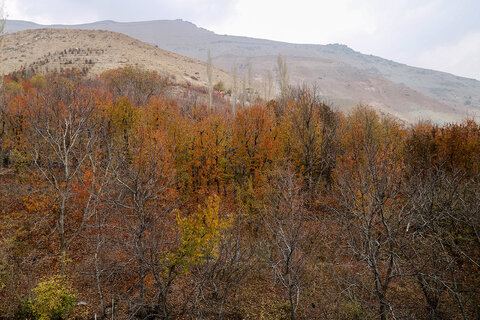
<point>341,73</point>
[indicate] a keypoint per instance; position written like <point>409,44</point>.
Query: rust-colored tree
<point>61,140</point>
<point>369,177</point>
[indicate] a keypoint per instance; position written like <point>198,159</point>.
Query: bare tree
<point>314,127</point>
<point>142,200</point>
<point>137,84</point>
<point>444,200</point>
<point>3,19</point>
<point>244,93</point>
<point>282,77</point>
<point>215,284</point>
<point>61,144</point>
<point>268,85</point>
<point>235,89</point>
<point>2,28</point>
<point>285,222</point>
<point>426,258</point>
<point>442,203</point>
<point>209,79</point>
<point>250,85</point>
<point>370,184</point>
<point>2,102</point>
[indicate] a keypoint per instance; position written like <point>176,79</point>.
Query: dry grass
<point>94,51</point>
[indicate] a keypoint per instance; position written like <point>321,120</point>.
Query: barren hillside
<point>343,76</point>
<point>94,51</point>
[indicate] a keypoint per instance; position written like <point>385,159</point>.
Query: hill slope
<point>342,75</point>
<point>95,51</point>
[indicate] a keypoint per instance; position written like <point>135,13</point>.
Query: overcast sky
<point>436,34</point>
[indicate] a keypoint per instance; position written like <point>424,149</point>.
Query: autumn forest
<point>126,196</point>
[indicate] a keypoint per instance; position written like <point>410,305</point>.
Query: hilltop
<point>343,76</point>
<point>93,52</point>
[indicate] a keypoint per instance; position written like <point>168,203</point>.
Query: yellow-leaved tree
<point>200,234</point>
<point>54,298</point>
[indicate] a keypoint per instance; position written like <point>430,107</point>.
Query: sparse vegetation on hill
<point>93,52</point>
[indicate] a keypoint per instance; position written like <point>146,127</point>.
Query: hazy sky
<point>437,34</point>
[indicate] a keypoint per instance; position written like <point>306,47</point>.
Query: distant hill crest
<point>342,74</point>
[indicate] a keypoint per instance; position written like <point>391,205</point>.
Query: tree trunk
<point>383,310</point>
<point>63,242</point>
